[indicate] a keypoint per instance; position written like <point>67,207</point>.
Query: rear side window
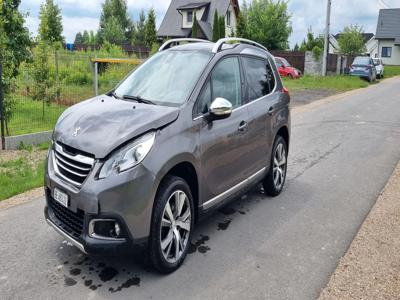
<point>259,76</point>
<point>224,82</point>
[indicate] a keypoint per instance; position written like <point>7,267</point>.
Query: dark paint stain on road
<point>69,281</point>
<point>203,249</point>
<point>194,246</point>
<point>107,274</point>
<point>135,281</point>
<point>88,282</point>
<point>224,225</point>
<point>75,272</point>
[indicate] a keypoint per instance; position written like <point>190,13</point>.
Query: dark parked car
<point>363,67</point>
<point>193,127</point>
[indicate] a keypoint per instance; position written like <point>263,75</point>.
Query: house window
<point>228,18</point>
<point>386,51</point>
<point>189,16</point>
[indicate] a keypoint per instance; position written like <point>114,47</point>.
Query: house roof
<point>366,36</point>
<point>193,5</point>
<point>171,25</point>
<point>389,25</point>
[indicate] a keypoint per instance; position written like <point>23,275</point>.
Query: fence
<point>295,58</point>
<point>38,96</point>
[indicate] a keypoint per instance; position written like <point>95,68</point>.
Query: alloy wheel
<point>175,226</point>
<point>279,170</point>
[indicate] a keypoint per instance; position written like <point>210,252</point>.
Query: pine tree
<point>216,34</point>
<point>222,31</point>
<point>140,28</point>
<point>241,28</point>
<point>150,29</point>
<point>86,38</point>
<point>78,39</point>
<point>195,26</point>
<point>296,47</point>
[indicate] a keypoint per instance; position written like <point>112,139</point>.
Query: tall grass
<point>334,83</point>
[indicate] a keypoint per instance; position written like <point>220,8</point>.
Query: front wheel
<point>172,224</point>
<point>275,179</point>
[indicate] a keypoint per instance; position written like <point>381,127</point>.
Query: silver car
<point>193,127</point>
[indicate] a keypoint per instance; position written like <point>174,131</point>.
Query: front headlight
<point>129,156</point>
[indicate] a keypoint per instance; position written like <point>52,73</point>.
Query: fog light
<point>104,229</point>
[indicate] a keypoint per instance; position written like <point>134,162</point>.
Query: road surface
<point>342,153</point>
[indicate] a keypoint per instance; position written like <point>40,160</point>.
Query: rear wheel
<point>172,224</point>
<point>275,179</point>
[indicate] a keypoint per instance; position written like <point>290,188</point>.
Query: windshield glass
<point>285,62</point>
<point>361,61</point>
<point>167,78</point>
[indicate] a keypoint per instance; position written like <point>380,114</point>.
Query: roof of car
<point>208,47</point>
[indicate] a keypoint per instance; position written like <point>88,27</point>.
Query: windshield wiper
<point>138,99</point>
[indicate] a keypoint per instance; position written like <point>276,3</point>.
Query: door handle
<point>242,126</point>
<point>271,110</point>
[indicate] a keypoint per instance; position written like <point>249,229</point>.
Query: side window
<point>259,76</point>
<point>278,63</point>
<point>224,82</point>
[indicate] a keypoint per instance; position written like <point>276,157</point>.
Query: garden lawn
<point>391,71</point>
<point>21,171</point>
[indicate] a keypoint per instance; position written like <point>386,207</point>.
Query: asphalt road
<point>342,153</point>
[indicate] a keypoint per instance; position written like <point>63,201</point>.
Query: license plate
<point>61,197</point>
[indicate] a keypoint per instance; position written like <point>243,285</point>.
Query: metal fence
<point>38,97</point>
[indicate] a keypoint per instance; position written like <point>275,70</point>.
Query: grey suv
<point>193,127</point>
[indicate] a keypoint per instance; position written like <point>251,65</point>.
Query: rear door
<point>224,155</point>
<point>262,104</point>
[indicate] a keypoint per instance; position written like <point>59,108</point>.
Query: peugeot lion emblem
<point>76,132</point>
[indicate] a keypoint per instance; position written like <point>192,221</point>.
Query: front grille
<point>68,220</point>
<point>72,165</point>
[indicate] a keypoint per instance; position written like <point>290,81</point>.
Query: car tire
<point>171,227</point>
<point>274,181</point>
<point>291,76</point>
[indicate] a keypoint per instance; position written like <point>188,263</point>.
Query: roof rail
<point>221,42</point>
<point>169,43</point>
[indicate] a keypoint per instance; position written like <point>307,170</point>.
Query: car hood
<point>101,124</point>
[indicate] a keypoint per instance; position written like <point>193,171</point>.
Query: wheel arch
<point>284,132</point>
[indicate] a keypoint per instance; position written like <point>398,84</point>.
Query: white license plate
<point>61,197</point>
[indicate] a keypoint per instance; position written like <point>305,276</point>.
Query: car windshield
<point>167,78</point>
<point>361,61</point>
<point>284,62</point>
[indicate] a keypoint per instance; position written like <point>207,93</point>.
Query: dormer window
<point>189,17</point>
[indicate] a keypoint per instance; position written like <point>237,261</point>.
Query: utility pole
<point>327,31</point>
<point>2,118</point>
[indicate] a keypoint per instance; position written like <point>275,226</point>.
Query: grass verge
<point>21,171</point>
<point>391,71</point>
<point>335,83</point>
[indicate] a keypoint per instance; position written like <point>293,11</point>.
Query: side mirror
<point>220,109</point>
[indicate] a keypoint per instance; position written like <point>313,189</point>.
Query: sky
<point>79,15</point>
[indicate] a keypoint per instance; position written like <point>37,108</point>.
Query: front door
<point>223,142</point>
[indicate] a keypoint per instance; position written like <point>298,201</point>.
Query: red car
<point>285,69</point>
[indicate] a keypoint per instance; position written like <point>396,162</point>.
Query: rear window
<point>362,61</point>
<point>259,76</point>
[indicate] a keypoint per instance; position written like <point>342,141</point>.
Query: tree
<point>113,32</point>
<point>44,89</point>
<point>269,23</point>
<point>92,38</point>
<point>150,31</point>
<point>86,38</point>
<point>312,41</point>
<point>241,27</point>
<point>195,27</point>
<point>78,39</point>
<point>50,27</point>
<point>216,27</point>
<point>140,27</point>
<point>351,41</point>
<point>114,18</point>
<point>14,45</point>
<point>296,47</point>
<point>221,24</point>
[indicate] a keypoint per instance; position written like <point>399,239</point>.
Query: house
<point>178,20</point>
<point>371,44</point>
<point>388,36</point>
